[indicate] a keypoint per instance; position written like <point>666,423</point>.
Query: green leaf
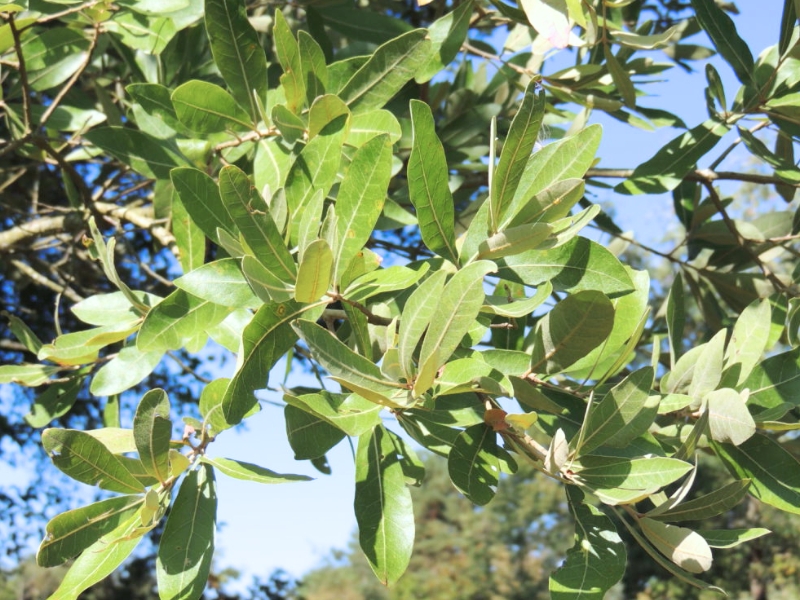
<point>287,51</point>
<point>730,538</point>
<point>383,506</point>
<point>87,460</point>
<point>667,168</point>
<point>457,308</point>
<point>347,412</point>
<point>25,334</point>
<point>110,309</point>
<point>709,505</point>
<point>315,168</point>
<point>571,330</point>
<point>565,159</point>
<point>516,307</point>
<point>200,196</point>
<point>312,60</point>
<point>774,381</point>
<point>237,53</point>
<point>515,240</point>
<point>748,340</point>
<point>516,152</point>
<point>71,532</point>
<point>115,439</point>
<point>348,368</point>
<point>578,265</point>
<point>473,464</point>
<point>388,69</point>
<point>266,338</point>
<point>722,31</point>
<point>207,108</point>
<point>707,370</point>
<point>55,401</point>
<point>360,200</point>
<point>271,163</point>
<point>382,281</point>
<point>187,544</point>
<point>190,239</point>
<point>309,436</point>
<point>142,32</point>
<point>152,431</point>
<point>250,472</point>
<point>551,204</point>
<point>774,473</point>
<point>417,313</point>
<point>251,215</point>
<point>624,414</point>
<point>365,126</point>
<point>124,371</point>
<point>597,559</point>
<point>621,77</point>
<point>684,547</point>
<point>145,154</point>
<point>447,34</point>
<point>676,319</point>
<point>623,481</point>
<point>99,560</point>
<point>220,282</point>
<point>360,25</point>
<point>647,42</point>
<point>156,101</point>
<point>428,180</point>
<point>729,420</point>
<point>315,273</point>
<point>324,110</point>
<point>179,317</point>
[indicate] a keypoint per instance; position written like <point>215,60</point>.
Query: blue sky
<point>294,526</point>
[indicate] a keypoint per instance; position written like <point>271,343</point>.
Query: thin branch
<point>250,137</point>
<point>700,175</point>
<point>372,318</point>
<point>186,368</point>
<point>40,279</point>
<point>23,76</point>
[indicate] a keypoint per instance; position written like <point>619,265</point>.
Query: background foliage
<point>392,196</point>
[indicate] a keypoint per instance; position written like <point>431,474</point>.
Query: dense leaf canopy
<point>395,197</point>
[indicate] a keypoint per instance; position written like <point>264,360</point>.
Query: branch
<point>40,279</point>
<point>372,318</point>
<point>700,175</point>
<point>23,75</point>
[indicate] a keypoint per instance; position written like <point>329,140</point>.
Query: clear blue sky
<point>293,526</point>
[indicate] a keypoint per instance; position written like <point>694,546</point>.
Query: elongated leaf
<point>266,338</point>
<point>447,34</point>
<point>458,306</point>
<point>664,171</point>
<point>580,264</point>
<point>565,159</point>
<point>315,169</point>
<point>365,126</point>
<point>388,69</point>
<point>597,559</point>
<point>676,319</point>
<point>428,184</point>
<point>309,436</point>
<point>774,381</point>
<point>774,473</point>
<point>729,420</point>
<point>516,307</point>
<point>200,196</point>
<point>287,51</point>
<point>55,401</point>
<point>722,31</point>
<point>251,215</point>
<point>314,275</point>
<point>707,368</point>
<point>473,464</point>
<point>360,200</point>
<point>345,366</point>
<point>515,240</point>
<point>189,237</point>
<point>143,153</point>
<point>624,414</point>
<point>516,153</point>
<point>312,60</point>
<point>87,460</point>
<point>684,547</point>
<point>187,545</point>
<point>250,472</point>
<point>111,309</point>
<point>220,282</point>
<point>124,371</point>
<point>383,506</point>
<point>324,110</point>
<point>748,340</point>
<point>100,559</point>
<point>71,532</point>
<point>707,506</point>
<point>207,108</point>
<point>179,317</point>
<point>347,412</point>
<point>571,330</point>
<point>730,538</point>
<point>622,481</point>
<point>382,281</point>
<point>237,52</point>
<point>417,313</point>
<point>152,431</point>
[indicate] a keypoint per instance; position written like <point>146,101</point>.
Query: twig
<point>250,137</point>
<point>700,175</point>
<point>372,318</point>
<point>187,368</point>
<point>40,279</point>
<point>23,76</point>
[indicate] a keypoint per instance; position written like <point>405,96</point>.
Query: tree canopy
<point>395,197</point>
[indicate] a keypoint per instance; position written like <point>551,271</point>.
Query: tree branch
<point>700,175</point>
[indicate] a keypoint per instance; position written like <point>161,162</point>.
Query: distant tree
<point>393,196</point>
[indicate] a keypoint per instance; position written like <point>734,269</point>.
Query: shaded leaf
<point>152,431</point>
<point>473,464</point>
